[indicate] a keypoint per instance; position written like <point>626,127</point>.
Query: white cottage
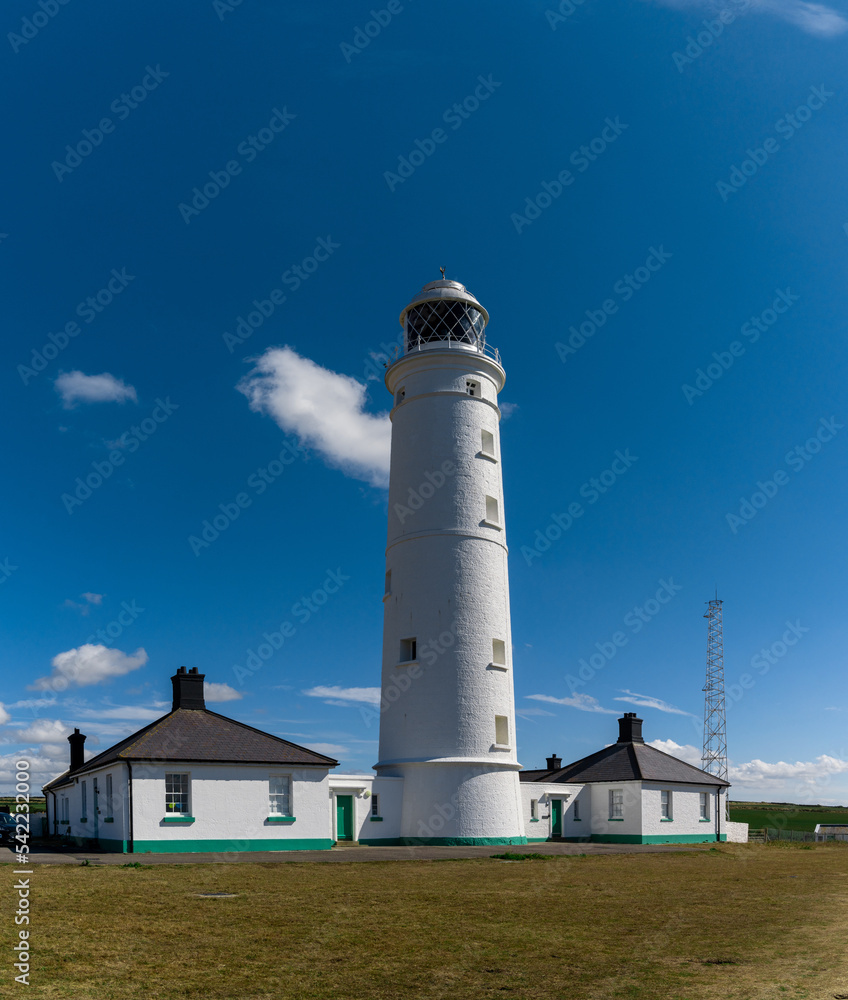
<point>196,781</point>
<point>627,793</point>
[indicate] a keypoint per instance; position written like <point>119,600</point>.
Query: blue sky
<point>214,215</point>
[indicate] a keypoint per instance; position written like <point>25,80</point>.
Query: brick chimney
<point>77,741</point>
<point>630,729</point>
<point>188,689</point>
<point>554,763</point>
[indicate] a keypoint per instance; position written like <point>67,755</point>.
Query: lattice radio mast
<point>714,757</point>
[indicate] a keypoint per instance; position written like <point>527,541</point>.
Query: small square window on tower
<point>388,589</point>
<point>408,650</point>
<point>498,653</point>
<point>487,445</point>
<point>400,395</point>
<point>493,514</point>
<point>472,388</point>
<point>501,731</point>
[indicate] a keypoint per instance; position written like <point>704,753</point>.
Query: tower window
<point>487,445</point>
<point>498,653</point>
<point>493,516</point>
<point>400,395</point>
<point>408,650</point>
<point>501,730</point>
<point>388,589</point>
<point>473,388</point>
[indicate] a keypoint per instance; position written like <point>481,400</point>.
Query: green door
<point>556,818</point>
<point>344,817</point>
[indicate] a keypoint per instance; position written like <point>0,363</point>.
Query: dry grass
<point>728,923</point>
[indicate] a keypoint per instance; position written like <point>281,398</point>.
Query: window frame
<point>576,813</point>
<point>666,805</point>
<point>616,804</point>
<point>704,807</point>
<point>83,801</point>
<point>408,650</point>
<point>169,776</point>
<point>110,810</point>
<point>287,795</point>
<point>502,729</point>
<point>375,804</point>
<point>534,809</point>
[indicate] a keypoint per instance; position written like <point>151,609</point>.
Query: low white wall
<point>737,833</point>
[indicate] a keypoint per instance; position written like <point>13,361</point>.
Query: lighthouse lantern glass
<point>445,320</point>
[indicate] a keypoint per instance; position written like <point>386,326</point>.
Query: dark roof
<point>200,735</point>
<point>632,761</point>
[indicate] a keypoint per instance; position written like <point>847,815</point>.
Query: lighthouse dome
<point>444,314</point>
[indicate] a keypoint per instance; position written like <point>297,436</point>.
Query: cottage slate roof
<point>630,761</point>
<point>199,735</point>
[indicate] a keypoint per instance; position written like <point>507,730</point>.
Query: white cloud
<point>220,692</point>
<point>583,702</point>
<point>814,18</point>
<point>807,773</point>
<point>507,409</point>
<point>39,731</point>
<point>88,664</point>
<point>649,701</point>
<point>34,703</point>
<point>76,387</point>
<point>324,409</point>
<point>92,598</point>
<point>685,752</point>
<point>346,696</point>
<point>4,715</point>
<point>84,609</point>
<point>527,713</point>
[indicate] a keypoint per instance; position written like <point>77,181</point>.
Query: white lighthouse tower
<point>448,723</point>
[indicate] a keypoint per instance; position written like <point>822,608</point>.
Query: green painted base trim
<point>381,842</point>
<point>178,819</point>
<point>722,836</point>
<point>537,840</point>
<point>281,819</point>
<point>228,846</point>
<point>459,841</point>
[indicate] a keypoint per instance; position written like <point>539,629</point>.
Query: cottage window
<point>705,805</point>
<point>279,795</point>
<point>65,809</point>
<point>109,807</point>
<point>534,808</point>
<point>616,803</point>
<point>665,805</point>
<point>576,813</point>
<point>176,793</point>
<point>375,805</point>
<point>83,800</point>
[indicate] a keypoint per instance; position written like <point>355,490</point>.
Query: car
<point>7,828</point>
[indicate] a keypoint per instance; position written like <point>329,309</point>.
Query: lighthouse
<point>448,721</point>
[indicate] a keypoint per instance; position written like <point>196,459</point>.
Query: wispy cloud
<point>84,609</point>
<point>806,772</point>
<point>88,664</point>
<point>814,18</point>
<point>345,697</point>
<point>582,702</point>
<point>76,387</point>
<point>649,701</point>
<point>324,410</point>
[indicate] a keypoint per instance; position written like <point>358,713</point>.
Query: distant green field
<point>36,803</point>
<point>785,816</point>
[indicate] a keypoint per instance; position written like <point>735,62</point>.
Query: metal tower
<point>714,756</point>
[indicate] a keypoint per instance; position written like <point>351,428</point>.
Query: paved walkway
<point>341,853</point>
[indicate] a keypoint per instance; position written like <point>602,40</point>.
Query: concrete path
<point>341,853</point>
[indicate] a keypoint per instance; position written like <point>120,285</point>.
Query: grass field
<point>733,922</point>
<point>785,816</point>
